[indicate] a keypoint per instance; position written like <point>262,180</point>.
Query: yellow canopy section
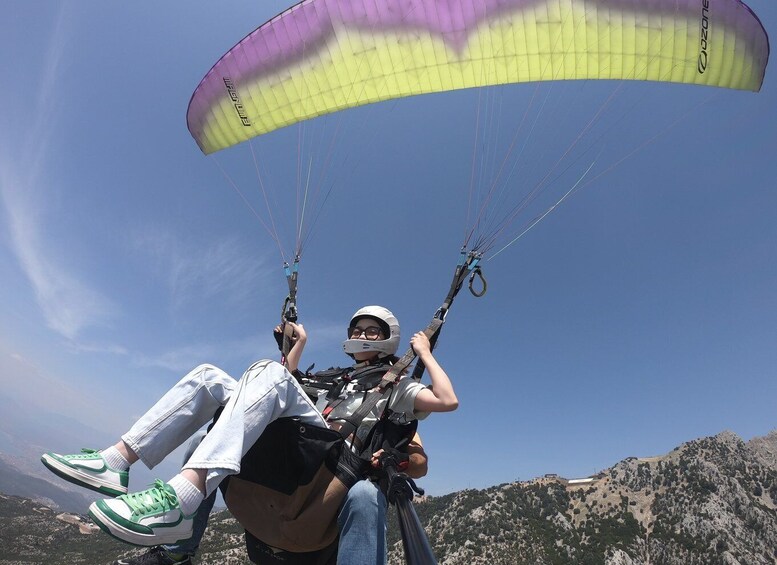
<point>322,56</point>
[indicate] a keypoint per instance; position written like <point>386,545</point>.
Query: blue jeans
<point>362,522</point>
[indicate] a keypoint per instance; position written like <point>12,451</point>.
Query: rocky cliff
<point>712,500</point>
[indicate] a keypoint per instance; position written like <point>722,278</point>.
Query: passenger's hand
<point>420,344</point>
<point>298,334</point>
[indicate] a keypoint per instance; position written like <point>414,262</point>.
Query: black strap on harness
<point>468,266</point>
<point>363,377</point>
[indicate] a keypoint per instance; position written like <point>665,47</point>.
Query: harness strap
<point>366,378</point>
<point>335,398</point>
<point>468,265</point>
<point>289,310</point>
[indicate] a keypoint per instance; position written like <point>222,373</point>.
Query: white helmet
<point>389,325</point>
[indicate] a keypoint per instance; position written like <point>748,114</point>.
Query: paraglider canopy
<point>321,56</point>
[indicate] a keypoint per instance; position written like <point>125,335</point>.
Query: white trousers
<point>266,392</point>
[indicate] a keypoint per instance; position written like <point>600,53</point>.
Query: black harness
<point>361,377</point>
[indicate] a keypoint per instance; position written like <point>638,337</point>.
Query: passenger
<point>165,513</point>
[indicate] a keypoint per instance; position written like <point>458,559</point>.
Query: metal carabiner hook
<point>484,284</point>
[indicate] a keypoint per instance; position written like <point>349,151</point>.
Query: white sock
<point>189,496</point>
<point>114,459</point>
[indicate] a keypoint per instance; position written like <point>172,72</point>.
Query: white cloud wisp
<point>68,303</point>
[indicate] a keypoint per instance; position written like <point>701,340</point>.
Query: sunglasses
<point>371,333</point>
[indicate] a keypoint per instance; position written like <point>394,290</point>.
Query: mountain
<point>710,501</point>
<point>15,482</point>
<point>23,434</point>
<point>31,533</point>
<point>26,433</point>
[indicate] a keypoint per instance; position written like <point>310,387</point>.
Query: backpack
<point>292,483</point>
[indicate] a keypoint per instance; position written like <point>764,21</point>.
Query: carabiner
<point>479,273</point>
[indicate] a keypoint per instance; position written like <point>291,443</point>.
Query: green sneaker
<point>88,469</point>
<point>149,517</point>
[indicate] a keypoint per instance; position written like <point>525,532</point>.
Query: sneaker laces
<point>159,498</point>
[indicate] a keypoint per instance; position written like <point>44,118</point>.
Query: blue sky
<point>639,314</point>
